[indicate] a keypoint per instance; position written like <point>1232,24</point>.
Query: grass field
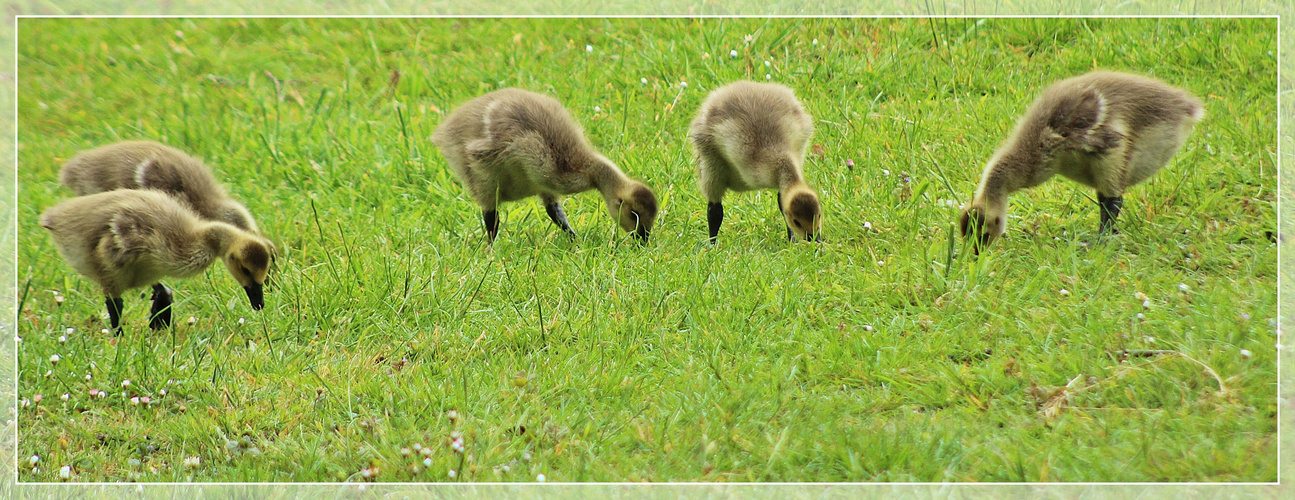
<point>876,355</point>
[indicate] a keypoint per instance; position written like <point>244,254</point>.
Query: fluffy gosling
<point>512,144</point>
<point>126,239</point>
<point>150,165</point>
<point>1103,129</point>
<point>750,135</point>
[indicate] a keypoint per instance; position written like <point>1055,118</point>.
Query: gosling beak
<point>255,295</point>
<point>642,234</point>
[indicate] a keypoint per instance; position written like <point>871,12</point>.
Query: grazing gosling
<point>1103,129</point>
<point>129,238</point>
<point>512,144</point>
<point>151,165</point>
<point>750,135</point>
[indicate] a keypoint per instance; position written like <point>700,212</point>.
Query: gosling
<point>750,135</point>
<point>511,144</point>
<point>1104,130</point>
<point>126,239</point>
<point>150,165</point>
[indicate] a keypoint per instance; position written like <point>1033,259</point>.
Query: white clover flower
<point>1245,353</point>
<point>526,456</point>
<point>732,53</point>
<point>767,65</point>
<point>768,76</point>
<point>125,383</point>
<point>867,328</point>
<point>404,452</point>
<point>589,48</point>
<point>815,42</point>
<point>598,109</point>
<point>70,330</point>
<point>65,472</point>
<point>62,339</point>
<point>65,396</point>
<point>453,473</point>
<point>683,85</point>
<point>643,81</point>
<point>541,478</point>
<point>192,462</point>
<point>1182,287</point>
<point>1064,292</point>
<point>1141,316</point>
<point>1140,296</point>
<point>1146,304</point>
<point>427,462</point>
<point>35,459</point>
<point>54,359</point>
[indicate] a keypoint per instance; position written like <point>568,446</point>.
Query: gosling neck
<point>789,176</point>
<point>606,178</point>
<point>218,237</point>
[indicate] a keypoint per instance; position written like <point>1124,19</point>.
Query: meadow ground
<point>877,355</point>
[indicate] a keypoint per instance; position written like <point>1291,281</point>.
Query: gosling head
<point>804,216</point>
<point>635,209</point>
<point>249,259</point>
<point>1073,124</point>
<point>982,225</point>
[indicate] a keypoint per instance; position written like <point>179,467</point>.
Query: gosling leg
<point>790,236</point>
<point>115,307</point>
<point>1110,207</point>
<point>714,217</point>
<point>559,218</point>
<point>491,218</point>
<point>159,316</point>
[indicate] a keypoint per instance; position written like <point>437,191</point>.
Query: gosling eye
<point>796,222</point>
<point>245,271</point>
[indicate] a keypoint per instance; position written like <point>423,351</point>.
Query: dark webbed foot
<point>559,217</point>
<point>714,217</point>
<point>159,315</point>
<point>1110,207</point>
<point>115,307</point>
<point>491,218</point>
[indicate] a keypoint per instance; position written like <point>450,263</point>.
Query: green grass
<point>864,358</point>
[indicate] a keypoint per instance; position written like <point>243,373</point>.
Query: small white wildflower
<point>404,452</point>
<point>418,446</point>
<point>17,339</point>
<point>815,42</point>
<point>54,359</point>
<point>683,85</point>
<point>504,468</point>
<point>242,321</point>
<point>1182,287</point>
<point>867,328</point>
<point>58,299</point>
<point>453,415</point>
<point>192,462</point>
<point>881,262</point>
<point>541,478</point>
<point>125,383</point>
<point>70,330</point>
<point>643,81</point>
<point>1245,353</point>
<point>867,225</point>
<point>767,65</point>
<point>526,456</point>
<point>427,462</point>
<point>1140,296</point>
<point>163,392</point>
<point>589,48</point>
<point>134,400</point>
<point>65,472</point>
<point>62,339</point>
<point>885,172</point>
<point>25,403</point>
<point>453,473</point>
<point>1064,292</point>
<point>426,452</point>
<point>88,377</point>
<point>598,109</point>
<point>192,320</point>
<point>179,34</point>
<point>33,460</point>
<point>366,473</point>
<point>49,373</point>
<point>65,396</point>
<point>1146,304</point>
<point>146,400</point>
<point>1150,340</point>
<point>103,394</point>
<point>1141,316</point>
<point>732,53</point>
<point>94,393</point>
<point>768,76</point>
<point>104,331</point>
